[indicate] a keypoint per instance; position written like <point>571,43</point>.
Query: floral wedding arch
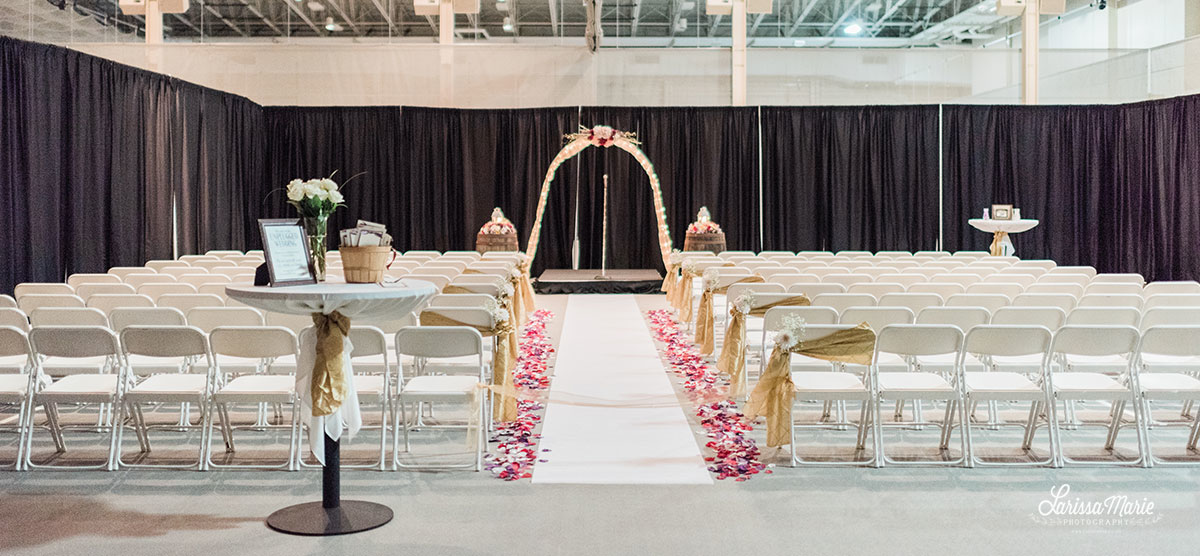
<point>602,136</point>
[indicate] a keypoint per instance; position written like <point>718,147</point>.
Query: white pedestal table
<point>1001,244</point>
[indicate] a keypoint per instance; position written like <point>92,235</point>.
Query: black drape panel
<point>703,157</point>
<point>1113,186</point>
<point>850,178</point>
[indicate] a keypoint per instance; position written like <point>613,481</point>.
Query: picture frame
<point>285,249</point>
<point>1002,212</point>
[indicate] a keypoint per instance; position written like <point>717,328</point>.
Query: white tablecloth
<point>352,301</point>
<point>1010,226</point>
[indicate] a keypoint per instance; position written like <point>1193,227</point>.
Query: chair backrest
<point>124,317</point>
<point>961,279</point>
<point>1006,340</point>
<point>253,341</point>
<point>190,259</point>
<point>438,282</point>
<point>877,317</point>
<point>30,302</point>
<point>389,324</point>
<point>479,279</point>
<point>1155,288</point>
<point>1166,300</point>
<point>1111,300</point>
<point>176,272</point>
<point>491,290</point>
<point>737,290</point>
<point>295,323</point>
<point>7,302</point>
<point>476,300</point>
<point>847,279</point>
<point>1095,340</point>
<point>1088,271</point>
<point>211,318</point>
<point>439,341</point>
<point>918,339</point>
<point>1113,287</point>
<point>877,289</point>
<point>1167,316</point>
<point>971,254</point>
<point>368,341</point>
<point>1007,289</point>
<point>914,301</point>
<point>85,278</point>
<point>965,318</point>
<point>74,341</point>
<point>1043,264</point>
<point>16,318</point>
<point>1122,316</point>
<point>469,316</point>
<point>813,289</point>
<point>1049,317</point>
<point>934,254</point>
<point>87,290</point>
<point>187,301</point>
<point>773,319</point>
<point>14,342</point>
<point>1175,340</point>
<point>67,316</point>
<point>137,280</point>
<point>943,290</point>
<point>107,302</point>
<point>158,265</point>
<point>789,280</point>
<point>164,341</point>
<point>842,301</point>
<point>203,279</point>
<point>1063,301</point>
<point>989,301</point>
<point>1119,278</point>
<point>156,290</point>
<point>472,255</point>
<point>903,278</point>
<point>223,253</point>
<point>768,272</point>
<point>42,288</point>
<point>1009,276</point>
<point>1081,280</point>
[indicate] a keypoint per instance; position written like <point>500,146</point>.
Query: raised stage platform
<point>586,281</point>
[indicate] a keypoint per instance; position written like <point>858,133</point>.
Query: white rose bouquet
<point>315,198</point>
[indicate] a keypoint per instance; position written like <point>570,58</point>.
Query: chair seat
<point>914,385</point>
<point>440,387</point>
<point>370,364</point>
<point>169,388</point>
<point>145,365</point>
<point>1018,363</point>
<point>1091,386</point>
<point>13,387</point>
<point>891,362</point>
<point>258,388</point>
<point>1171,363</point>
<point>85,388</point>
<point>369,385</point>
<point>10,364</point>
<point>944,363</point>
<point>1001,385</point>
<point>829,385</point>
<point>232,365</point>
<point>1169,386</point>
<point>465,363</point>
<point>61,366</point>
<point>1098,363</point>
<point>806,364</point>
<point>283,365</point>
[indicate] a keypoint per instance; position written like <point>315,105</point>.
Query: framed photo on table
<point>285,248</point>
<point>1002,212</point>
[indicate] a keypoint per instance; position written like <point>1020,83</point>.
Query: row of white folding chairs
<point>115,381</point>
<point>1141,379</point>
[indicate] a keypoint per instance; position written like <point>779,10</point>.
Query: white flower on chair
<point>791,332</point>
<point>711,277</point>
<point>744,303</point>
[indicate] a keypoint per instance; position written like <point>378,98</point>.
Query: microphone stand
<point>604,235</point>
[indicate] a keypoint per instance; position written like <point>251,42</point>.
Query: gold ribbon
<point>328,384</point>
<point>683,291</point>
<point>668,284</point>
<point>504,359</point>
<point>733,351</point>
<point>526,287</point>
<point>775,392</point>
<point>705,335</point>
<point>997,240</point>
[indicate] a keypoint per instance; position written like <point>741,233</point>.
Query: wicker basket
<point>496,242</point>
<point>365,265</point>
<point>704,242</point>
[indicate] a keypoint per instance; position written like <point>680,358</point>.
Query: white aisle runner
<point>613,417</point>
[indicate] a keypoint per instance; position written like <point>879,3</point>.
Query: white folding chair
<point>87,362</point>
<point>1152,301</point>
<point>903,278</point>
<point>175,272</point>
<point>1165,371</point>
<point>211,318</point>
<point>876,289</point>
<point>963,318</point>
<point>224,253</point>
<point>989,301</point>
<point>1166,316</point>
<point>31,302</point>
<point>67,316</point>
<point>438,281</point>
<point>933,254</point>
<point>910,341</point>
<point>942,290</point>
<point>813,289</point>
<point>158,265</point>
<point>1186,287</point>
<point>187,301</point>
<point>993,386</point>
<point>1009,276</point>
<point>828,384</point>
<point>175,348</point>
<point>914,301</point>
<point>156,290</point>
<point>1113,288</point>
<point>1063,301</point>
<point>253,388</point>
<point>124,317</point>
<point>1007,289</point>
<point>138,280</point>
<point>971,254</point>
<point>1111,300</point>
<point>1081,280</point>
<point>76,280</point>
<point>842,301</point>
<point>847,279</point>
<point>962,279</point>
<point>198,280</point>
<point>1069,385</point>
<point>7,302</point>
<point>17,383</point>
<point>1088,271</point>
<point>1123,316</point>
<point>16,318</point>
<point>430,343</point>
<point>1049,317</point>
<point>87,290</point>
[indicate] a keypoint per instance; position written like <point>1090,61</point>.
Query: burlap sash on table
<point>733,351</point>
<point>504,359</point>
<point>328,386</point>
<point>997,247</point>
<point>775,392</point>
<point>704,318</point>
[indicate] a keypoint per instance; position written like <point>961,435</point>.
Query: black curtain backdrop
<point>850,178</point>
<point>106,165</point>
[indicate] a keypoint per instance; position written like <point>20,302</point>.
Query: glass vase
<point>315,227</point>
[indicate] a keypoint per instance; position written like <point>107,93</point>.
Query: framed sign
<point>285,247</point>
<point>1002,212</point>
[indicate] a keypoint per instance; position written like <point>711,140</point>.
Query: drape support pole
<point>1029,52</point>
<point>154,26</point>
<point>446,52</point>
<point>738,73</point>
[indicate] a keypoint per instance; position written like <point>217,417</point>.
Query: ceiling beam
<point>712,29</point>
<point>846,11</point>
<point>185,21</point>
<point>433,24</point>
<point>292,6</point>
<point>758,19</point>
<point>338,8</point>
<point>808,8</point>
<point>637,15</point>
<point>554,19</point>
<point>878,25</point>
<point>230,24</point>
<point>254,10</point>
<point>386,16</point>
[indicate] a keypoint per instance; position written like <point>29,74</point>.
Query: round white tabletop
<point>1001,243</point>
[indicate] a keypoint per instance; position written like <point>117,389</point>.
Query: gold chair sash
<point>668,285</point>
<point>504,359</point>
<point>775,392</point>
<point>705,335</point>
<point>733,351</point>
<point>997,248</point>
<point>328,386</point>
<point>526,289</point>
<point>683,285</point>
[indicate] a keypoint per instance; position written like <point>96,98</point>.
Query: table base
<point>313,519</point>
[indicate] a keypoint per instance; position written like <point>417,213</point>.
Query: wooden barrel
<point>365,265</point>
<point>704,242</point>
<point>496,242</point>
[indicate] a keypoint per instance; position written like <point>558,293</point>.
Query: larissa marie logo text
<point>1062,509</point>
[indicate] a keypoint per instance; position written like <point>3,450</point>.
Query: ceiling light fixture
<point>316,6</point>
<point>853,29</point>
<point>508,24</point>
<point>331,26</point>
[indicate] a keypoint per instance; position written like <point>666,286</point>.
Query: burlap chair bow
<point>733,351</point>
<point>705,325</point>
<point>328,385</point>
<point>504,359</point>
<point>775,392</point>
